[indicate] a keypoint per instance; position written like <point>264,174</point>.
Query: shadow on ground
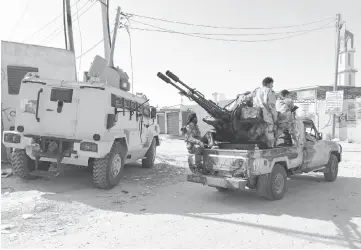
<point>308,197</point>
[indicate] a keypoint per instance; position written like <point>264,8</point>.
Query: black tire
<point>103,177</point>
<point>22,165</point>
<point>222,189</point>
<point>332,167</point>
<point>148,162</point>
<point>273,186</point>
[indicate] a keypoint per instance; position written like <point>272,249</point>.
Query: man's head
<point>285,93</point>
<point>268,82</point>
<point>192,117</point>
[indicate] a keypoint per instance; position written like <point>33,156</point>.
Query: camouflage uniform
<point>194,144</point>
<point>285,117</point>
<point>265,98</point>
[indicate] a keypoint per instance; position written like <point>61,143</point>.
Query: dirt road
<point>157,209</point>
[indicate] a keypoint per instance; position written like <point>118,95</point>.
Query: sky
<point>208,65</point>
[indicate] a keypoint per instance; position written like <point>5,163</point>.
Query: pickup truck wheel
<point>107,171</point>
<point>148,162</point>
<point>332,167</point>
<point>22,164</point>
<point>273,186</point>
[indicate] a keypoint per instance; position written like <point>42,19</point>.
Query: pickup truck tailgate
<point>225,160</point>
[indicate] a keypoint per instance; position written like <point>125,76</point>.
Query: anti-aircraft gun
<point>230,126</point>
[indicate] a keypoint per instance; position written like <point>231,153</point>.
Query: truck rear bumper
<point>213,181</point>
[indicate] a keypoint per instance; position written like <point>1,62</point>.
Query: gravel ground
<point>157,208</point>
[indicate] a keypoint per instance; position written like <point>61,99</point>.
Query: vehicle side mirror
<point>153,113</point>
<point>320,136</point>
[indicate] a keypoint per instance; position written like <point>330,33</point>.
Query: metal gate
<point>173,123</point>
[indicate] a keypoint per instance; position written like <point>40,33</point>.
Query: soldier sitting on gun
<point>195,143</point>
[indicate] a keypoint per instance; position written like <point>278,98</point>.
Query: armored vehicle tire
<point>332,167</point>
<point>107,171</point>
<point>273,186</point>
<point>22,164</point>
<point>148,162</point>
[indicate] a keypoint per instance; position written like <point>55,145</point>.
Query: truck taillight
<point>89,146</point>
<point>12,138</point>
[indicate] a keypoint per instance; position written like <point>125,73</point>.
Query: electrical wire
<point>59,28</point>
<point>46,25</point>
<point>81,39</point>
<point>19,21</point>
<point>234,40</point>
<point>93,47</point>
<point>232,28</point>
<point>227,34</point>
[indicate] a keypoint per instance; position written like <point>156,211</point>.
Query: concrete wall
<point>52,63</point>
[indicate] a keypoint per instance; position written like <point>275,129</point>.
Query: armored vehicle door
<point>58,110</point>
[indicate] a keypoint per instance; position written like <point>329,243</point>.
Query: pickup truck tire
<point>332,167</point>
<point>22,165</point>
<point>107,171</point>
<point>273,186</point>
<point>148,162</point>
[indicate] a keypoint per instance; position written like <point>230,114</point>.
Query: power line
<point>93,47</point>
<point>233,40</point>
<point>21,18</point>
<point>232,28</point>
<point>226,34</point>
<point>59,28</point>
<point>46,25</point>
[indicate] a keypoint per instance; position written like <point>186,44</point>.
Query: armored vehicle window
<point>65,95</point>
<point>15,76</point>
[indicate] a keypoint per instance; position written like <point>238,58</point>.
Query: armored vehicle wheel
<point>148,162</point>
<point>273,186</point>
<point>332,167</point>
<point>22,164</point>
<point>107,171</point>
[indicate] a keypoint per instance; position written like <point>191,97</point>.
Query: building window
<point>349,79</point>
<point>339,79</point>
<point>15,76</point>
<point>341,59</point>
<point>349,59</point>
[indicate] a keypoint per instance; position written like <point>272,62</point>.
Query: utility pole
<point>338,28</point>
<point>111,61</point>
<point>106,34</point>
<point>70,26</point>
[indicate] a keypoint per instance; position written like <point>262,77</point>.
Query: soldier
<point>265,98</point>
<point>195,143</point>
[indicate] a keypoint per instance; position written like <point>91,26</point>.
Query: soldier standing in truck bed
<point>265,98</point>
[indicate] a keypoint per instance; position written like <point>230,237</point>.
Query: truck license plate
<point>196,178</point>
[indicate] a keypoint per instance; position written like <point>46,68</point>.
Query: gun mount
<point>230,126</point>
